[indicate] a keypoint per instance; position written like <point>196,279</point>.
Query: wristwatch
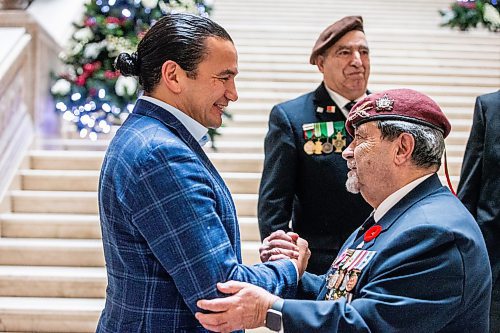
<point>273,317</point>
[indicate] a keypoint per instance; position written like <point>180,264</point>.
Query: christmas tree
<point>89,92</point>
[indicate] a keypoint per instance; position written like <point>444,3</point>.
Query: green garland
<point>466,14</point>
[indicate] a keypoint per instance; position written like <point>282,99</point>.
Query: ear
<point>320,62</point>
<point>171,76</point>
<point>405,144</point>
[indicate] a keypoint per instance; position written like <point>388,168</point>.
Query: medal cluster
<point>346,270</point>
<point>323,138</point>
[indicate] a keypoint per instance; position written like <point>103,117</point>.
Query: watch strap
<point>278,305</point>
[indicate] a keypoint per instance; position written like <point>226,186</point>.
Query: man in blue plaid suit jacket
<point>168,221</point>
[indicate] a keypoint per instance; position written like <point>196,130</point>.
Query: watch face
<point>273,320</point>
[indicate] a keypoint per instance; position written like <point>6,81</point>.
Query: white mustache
<point>351,164</point>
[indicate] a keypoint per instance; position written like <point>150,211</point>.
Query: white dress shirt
<point>394,198</point>
<point>197,130</point>
<point>341,101</point>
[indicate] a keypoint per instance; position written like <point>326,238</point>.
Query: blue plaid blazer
<point>169,229</point>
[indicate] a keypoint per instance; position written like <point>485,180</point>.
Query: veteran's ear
<point>405,144</point>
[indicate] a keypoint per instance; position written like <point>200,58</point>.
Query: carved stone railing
<point>16,129</point>
<point>28,54</point>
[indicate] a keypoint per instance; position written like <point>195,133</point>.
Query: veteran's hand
<point>304,255</point>
<point>279,245</point>
<point>245,308</point>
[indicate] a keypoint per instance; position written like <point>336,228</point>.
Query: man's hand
<point>279,245</point>
<point>245,308</point>
<point>304,255</point>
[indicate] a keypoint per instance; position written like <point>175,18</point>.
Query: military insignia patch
<point>360,111</point>
<point>384,104</point>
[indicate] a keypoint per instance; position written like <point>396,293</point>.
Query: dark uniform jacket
<point>309,189</point>
<point>428,272</point>
<point>479,186</point>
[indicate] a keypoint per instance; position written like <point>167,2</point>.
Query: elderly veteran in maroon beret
<point>419,261</point>
<point>304,173</point>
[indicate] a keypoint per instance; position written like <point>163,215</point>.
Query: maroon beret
<point>398,104</point>
<point>333,33</point>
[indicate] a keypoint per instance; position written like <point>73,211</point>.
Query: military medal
<point>308,136</point>
<point>349,266</point>
<point>339,142</point>
<point>318,147</point>
<point>309,147</point>
<point>327,146</point>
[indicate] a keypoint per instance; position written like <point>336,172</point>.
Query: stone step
<point>55,315</point>
<point>42,225</point>
<point>92,160</point>
<point>73,202</point>
<point>52,281</point>
<point>51,252</point>
<point>375,44</point>
<point>470,54</point>
<point>424,63</point>
<point>81,226</point>
<point>41,314</point>
<point>101,144</point>
<point>241,133</point>
<point>375,70</point>
<point>87,180</point>
<point>75,252</point>
<point>393,80</point>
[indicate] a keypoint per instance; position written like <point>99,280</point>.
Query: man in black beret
<point>304,174</point>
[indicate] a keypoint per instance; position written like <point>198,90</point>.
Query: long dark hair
<point>178,37</point>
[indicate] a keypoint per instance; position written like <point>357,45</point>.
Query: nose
<point>231,93</point>
<point>356,59</point>
<point>348,153</point>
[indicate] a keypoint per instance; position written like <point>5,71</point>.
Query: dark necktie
<point>349,105</point>
<point>369,222</point>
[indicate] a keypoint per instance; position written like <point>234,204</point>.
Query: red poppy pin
<point>372,233</point>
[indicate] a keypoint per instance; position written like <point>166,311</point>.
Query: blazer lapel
<point>148,109</point>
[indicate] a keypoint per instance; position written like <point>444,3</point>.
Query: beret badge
<point>360,111</point>
<point>384,104</point>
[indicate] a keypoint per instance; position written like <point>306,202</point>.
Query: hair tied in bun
<point>127,64</point>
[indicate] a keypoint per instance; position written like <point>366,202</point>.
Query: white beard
<point>352,184</point>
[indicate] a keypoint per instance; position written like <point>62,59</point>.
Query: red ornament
<point>89,68</point>
<point>90,22</point>
<point>113,20</point>
<point>372,233</point>
<point>80,80</point>
<point>110,75</point>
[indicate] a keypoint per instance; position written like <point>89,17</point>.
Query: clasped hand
<point>246,304</point>
<point>281,245</point>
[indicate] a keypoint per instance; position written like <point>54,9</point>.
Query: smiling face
<point>370,160</point>
<point>346,65</point>
<point>206,95</point>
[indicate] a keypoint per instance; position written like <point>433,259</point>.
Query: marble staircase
<point>52,276</point>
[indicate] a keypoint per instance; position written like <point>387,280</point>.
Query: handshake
<point>281,245</point>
